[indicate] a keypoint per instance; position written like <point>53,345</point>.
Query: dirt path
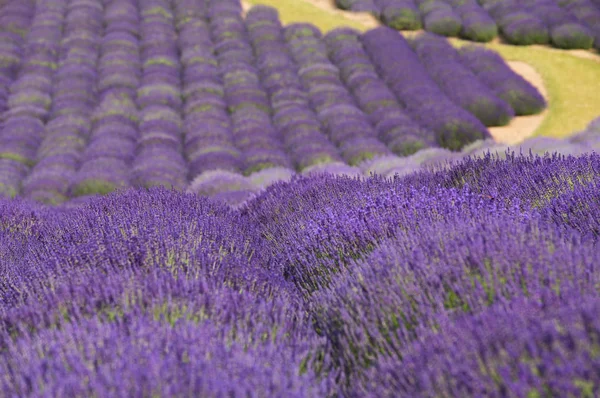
<point>245,7</point>
<point>523,126</point>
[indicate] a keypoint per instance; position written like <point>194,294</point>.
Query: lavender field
<point>196,201</point>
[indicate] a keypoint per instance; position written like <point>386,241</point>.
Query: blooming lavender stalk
<point>406,77</point>
<point>493,71</point>
<point>458,82</point>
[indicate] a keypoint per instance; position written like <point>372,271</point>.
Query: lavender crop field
<point>196,201</point>
<point>567,24</point>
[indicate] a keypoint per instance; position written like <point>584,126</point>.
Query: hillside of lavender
<point>477,280</point>
<point>196,203</point>
<point>566,24</point>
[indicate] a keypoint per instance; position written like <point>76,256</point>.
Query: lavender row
<point>293,117</point>
<point>159,159</point>
<point>248,103</point>
<point>459,83</point>
<point>400,68</point>
<point>400,14</point>
<point>15,18</point>
<point>477,25</point>
<point>30,96</point>
<point>208,142</point>
<point>493,71</point>
<point>393,126</point>
<point>517,24</point>
<point>439,17</point>
<point>73,99</point>
<point>345,124</point>
<point>112,143</point>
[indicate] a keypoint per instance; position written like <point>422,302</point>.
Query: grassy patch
<point>572,82</point>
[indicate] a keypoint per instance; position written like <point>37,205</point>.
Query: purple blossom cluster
<point>479,280</point>
<point>493,71</point>
<point>346,125</point>
<point>248,103</point>
<point>400,68</point>
<point>458,82</point>
<point>74,97</point>
<point>439,17</point>
<point>29,98</point>
<point>298,125</point>
<point>393,125</point>
<point>158,158</point>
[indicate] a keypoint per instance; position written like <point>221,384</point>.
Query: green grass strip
<point>572,82</point>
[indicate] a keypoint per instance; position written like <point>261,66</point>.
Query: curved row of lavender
<point>566,24</point>
<point>188,94</point>
<point>480,280</point>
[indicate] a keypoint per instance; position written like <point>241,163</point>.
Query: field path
<point>522,127</point>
